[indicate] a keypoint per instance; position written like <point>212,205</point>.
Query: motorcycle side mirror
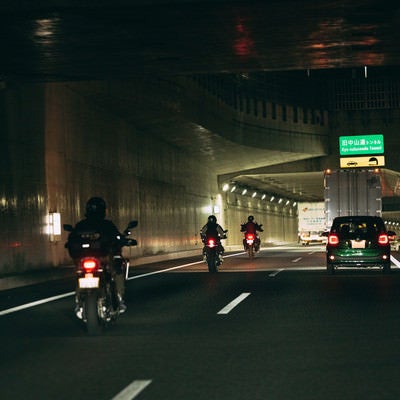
<point>68,227</point>
<point>132,224</point>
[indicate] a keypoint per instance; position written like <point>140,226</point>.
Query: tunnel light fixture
<point>53,226</point>
<point>225,188</point>
<point>254,195</point>
<point>233,188</point>
<point>244,192</point>
<point>280,201</point>
<point>263,196</point>
<point>287,202</point>
<point>272,198</point>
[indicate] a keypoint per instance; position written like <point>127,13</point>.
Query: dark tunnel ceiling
<point>61,40</point>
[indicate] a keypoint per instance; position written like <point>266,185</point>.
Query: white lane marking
<point>395,261</point>
<point>49,299</point>
<point>177,267</point>
<point>233,304</point>
<point>297,259</point>
<point>164,270</point>
<point>132,390</point>
<point>275,273</point>
<point>35,303</point>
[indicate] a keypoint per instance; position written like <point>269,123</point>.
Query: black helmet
<point>212,219</point>
<point>250,219</point>
<point>96,208</point>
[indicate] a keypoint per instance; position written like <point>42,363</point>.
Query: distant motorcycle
<point>250,239</point>
<point>96,286</point>
<point>212,251</point>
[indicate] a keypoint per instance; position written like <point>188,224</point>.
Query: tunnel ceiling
<point>62,40</point>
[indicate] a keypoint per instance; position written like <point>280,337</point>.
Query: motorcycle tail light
<point>250,237</point>
<point>211,242</point>
<point>89,264</point>
<point>333,239</point>
<point>383,239</point>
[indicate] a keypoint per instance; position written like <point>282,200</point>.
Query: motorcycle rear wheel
<point>212,262</point>
<point>250,251</point>
<point>93,325</point>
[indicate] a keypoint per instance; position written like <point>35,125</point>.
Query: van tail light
<point>333,239</point>
<point>383,239</point>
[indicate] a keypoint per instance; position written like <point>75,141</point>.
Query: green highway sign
<point>363,144</point>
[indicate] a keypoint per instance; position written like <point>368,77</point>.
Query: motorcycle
<point>96,286</point>
<point>249,239</point>
<point>213,251</point>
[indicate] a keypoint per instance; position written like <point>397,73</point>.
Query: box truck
<point>352,192</point>
<point>311,222</point>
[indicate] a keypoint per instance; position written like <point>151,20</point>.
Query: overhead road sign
<point>362,144</point>
<point>357,162</point>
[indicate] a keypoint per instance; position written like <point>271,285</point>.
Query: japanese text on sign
<point>366,144</point>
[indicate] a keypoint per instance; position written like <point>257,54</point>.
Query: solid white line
<point>177,267</point>
<point>35,303</point>
<point>132,390</point>
<point>233,304</point>
<point>296,259</point>
<point>275,273</point>
<point>164,270</point>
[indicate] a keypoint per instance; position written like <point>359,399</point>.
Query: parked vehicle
<point>213,251</point>
<point>358,241</point>
<point>95,278</point>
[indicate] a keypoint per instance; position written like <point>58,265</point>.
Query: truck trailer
<point>352,192</point>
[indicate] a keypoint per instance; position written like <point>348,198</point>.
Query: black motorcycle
<point>96,287</point>
<point>213,251</point>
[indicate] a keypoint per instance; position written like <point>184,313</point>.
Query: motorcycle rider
<point>213,228</point>
<point>110,235</point>
<point>252,227</point>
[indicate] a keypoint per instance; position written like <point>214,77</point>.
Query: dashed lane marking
<point>229,307</point>
<point>132,390</point>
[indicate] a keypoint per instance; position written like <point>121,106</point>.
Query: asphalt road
<point>276,327</point>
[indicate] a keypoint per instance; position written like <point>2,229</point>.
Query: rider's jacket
<point>102,231</point>
<point>251,227</point>
<point>211,228</point>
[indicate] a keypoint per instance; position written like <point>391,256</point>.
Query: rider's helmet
<point>96,208</point>
<point>250,219</point>
<point>212,219</point>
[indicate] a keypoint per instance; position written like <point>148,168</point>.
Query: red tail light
<point>211,243</point>
<point>333,239</point>
<point>250,236</point>
<point>89,264</point>
<point>383,239</point>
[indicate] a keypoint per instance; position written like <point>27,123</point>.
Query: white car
<point>312,237</point>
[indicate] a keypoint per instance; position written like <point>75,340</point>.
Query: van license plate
<point>358,244</point>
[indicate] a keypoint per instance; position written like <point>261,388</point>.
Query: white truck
<point>352,192</point>
<point>311,222</point>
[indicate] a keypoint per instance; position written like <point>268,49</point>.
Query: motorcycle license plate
<point>250,242</point>
<point>89,282</point>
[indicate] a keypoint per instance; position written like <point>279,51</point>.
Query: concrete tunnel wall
<point>60,146</point>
